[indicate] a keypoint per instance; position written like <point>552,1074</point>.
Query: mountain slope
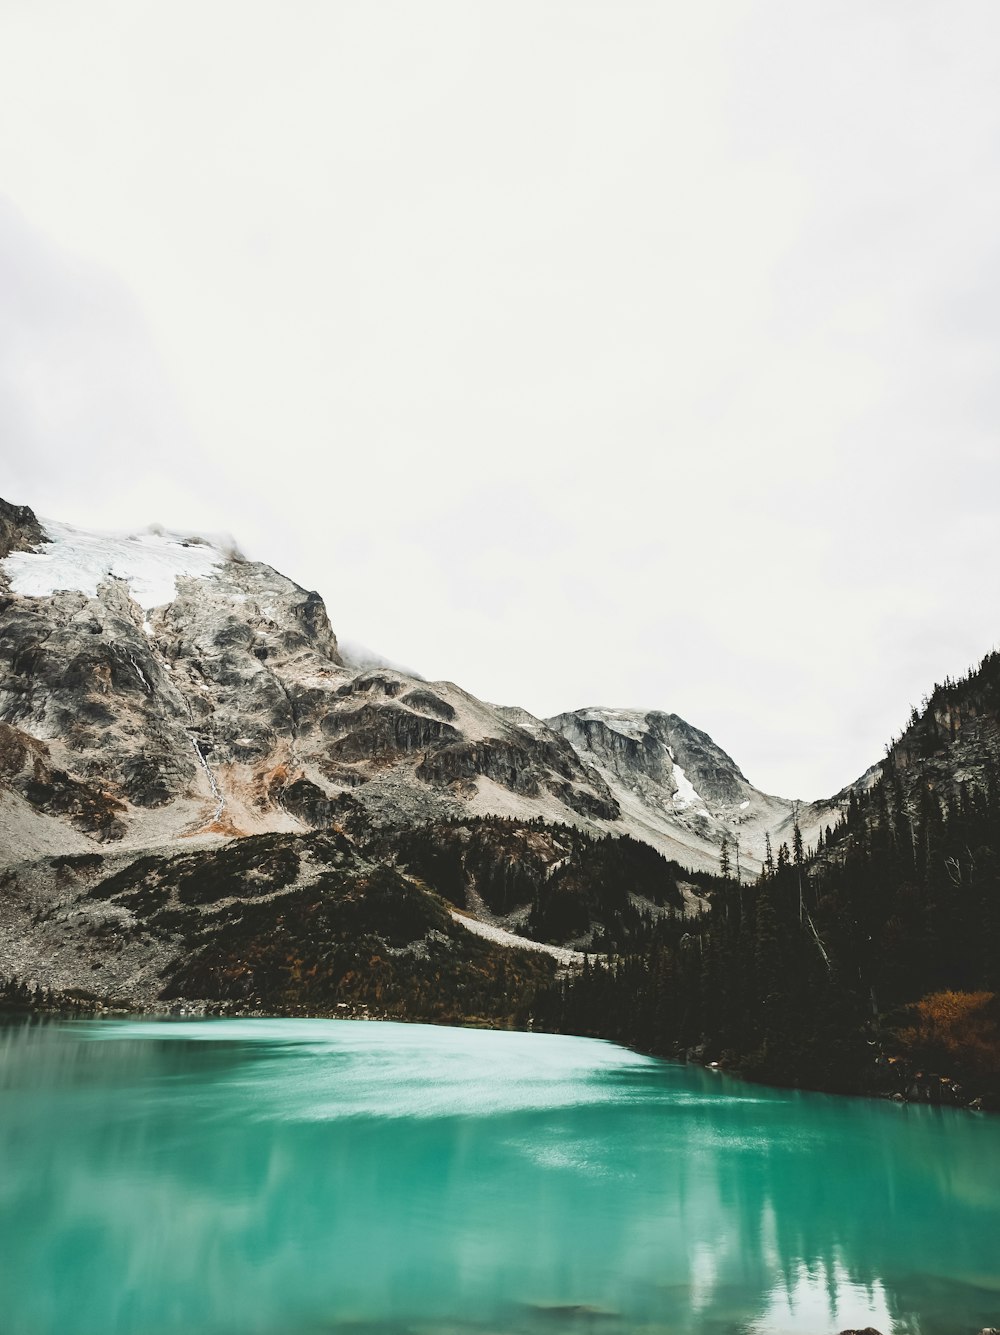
<point>156,687</point>
<point>870,964</point>
<point>169,689</point>
<point>679,791</point>
<point>162,698</point>
<point>955,738</point>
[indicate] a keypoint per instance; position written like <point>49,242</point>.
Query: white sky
<point>615,353</point>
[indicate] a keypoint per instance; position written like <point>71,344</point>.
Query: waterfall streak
<point>140,674</point>
<point>216,792</point>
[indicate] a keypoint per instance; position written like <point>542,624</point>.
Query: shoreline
<point>70,1007</point>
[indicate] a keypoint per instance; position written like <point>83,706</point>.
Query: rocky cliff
<point>162,697</point>
<point>679,791</point>
<point>954,739</point>
<point>157,687</point>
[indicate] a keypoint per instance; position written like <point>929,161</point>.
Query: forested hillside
<point>552,882</point>
<point>869,962</point>
<point>172,713</point>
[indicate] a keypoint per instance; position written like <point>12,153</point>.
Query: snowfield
<point>72,559</point>
<point>685,795</point>
<point>502,937</point>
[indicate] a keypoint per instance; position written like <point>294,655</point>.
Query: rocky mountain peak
<point>661,745</point>
<point>209,696</point>
<point>180,691</point>
<point>676,786</point>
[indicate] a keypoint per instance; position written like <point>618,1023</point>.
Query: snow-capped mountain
<point>157,687</point>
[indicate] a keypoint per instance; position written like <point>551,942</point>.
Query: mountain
<point>678,790</point>
<point>205,802</point>
<point>163,699</point>
<point>954,740</point>
<point>870,963</point>
<point>158,687</point>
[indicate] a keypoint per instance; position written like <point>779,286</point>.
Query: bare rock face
<point>677,789</point>
<point>160,688</point>
<point>26,769</point>
<point>177,691</point>
<point>164,701</point>
<point>20,530</point>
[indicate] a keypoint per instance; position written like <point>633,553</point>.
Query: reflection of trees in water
<point>214,1179</point>
<point>865,1192</point>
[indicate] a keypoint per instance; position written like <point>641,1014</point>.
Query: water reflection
<point>306,1176</point>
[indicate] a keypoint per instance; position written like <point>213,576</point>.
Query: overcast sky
<point>620,353</point>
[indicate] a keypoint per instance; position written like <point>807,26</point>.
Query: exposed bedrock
<point>502,761</point>
<point>20,530</point>
<point>26,768</point>
<point>230,689</point>
<point>385,730</point>
<point>522,768</point>
<point>654,744</point>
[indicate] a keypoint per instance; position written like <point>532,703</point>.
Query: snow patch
<point>73,559</point>
<point>685,795</point>
<point>501,937</point>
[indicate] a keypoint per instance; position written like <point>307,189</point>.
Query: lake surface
<point>294,1177</point>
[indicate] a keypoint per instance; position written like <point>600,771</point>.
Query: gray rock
<point>20,530</point>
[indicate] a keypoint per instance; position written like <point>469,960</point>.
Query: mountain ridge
<point>204,803</point>
<point>208,696</point>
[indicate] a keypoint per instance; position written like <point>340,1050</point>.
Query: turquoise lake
<point>294,1177</point>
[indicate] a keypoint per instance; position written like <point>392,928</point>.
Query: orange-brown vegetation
<point>961,1029</point>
